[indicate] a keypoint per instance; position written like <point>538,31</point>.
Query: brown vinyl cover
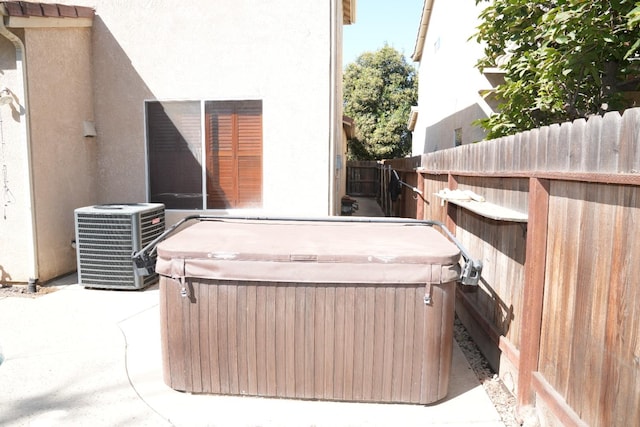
<point>309,252</point>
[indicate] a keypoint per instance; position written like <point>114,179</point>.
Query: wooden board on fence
<point>489,210</point>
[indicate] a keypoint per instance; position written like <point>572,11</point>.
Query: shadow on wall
<point>174,144</point>
<point>4,276</point>
<point>502,315</point>
<point>442,135</point>
<point>7,58</point>
<point>138,133</point>
<point>120,94</point>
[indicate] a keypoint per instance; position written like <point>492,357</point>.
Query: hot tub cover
<point>310,252</point>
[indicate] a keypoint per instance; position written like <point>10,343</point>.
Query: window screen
<point>175,154</point>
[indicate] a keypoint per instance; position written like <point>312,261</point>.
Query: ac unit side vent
<point>107,235</point>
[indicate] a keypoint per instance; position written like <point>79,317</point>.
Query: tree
<point>379,89</point>
<point>563,60</point>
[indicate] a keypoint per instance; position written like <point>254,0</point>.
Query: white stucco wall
<point>16,261</point>
<point>448,95</point>
<point>276,51</point>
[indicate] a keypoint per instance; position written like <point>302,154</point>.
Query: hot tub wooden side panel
<point>376,343</point>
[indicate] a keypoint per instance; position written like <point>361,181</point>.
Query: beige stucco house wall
<point>451,93</point>
<point>100,70</point>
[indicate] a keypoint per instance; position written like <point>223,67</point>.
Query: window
<point>457,137</point>
<point>232,144</point>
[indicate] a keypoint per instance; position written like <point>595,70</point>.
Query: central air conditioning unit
<point>107,236</point>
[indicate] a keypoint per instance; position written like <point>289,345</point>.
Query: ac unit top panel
<point>119,208</point>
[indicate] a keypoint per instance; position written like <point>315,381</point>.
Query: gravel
<point>502,399</point>
<point>10,290</point>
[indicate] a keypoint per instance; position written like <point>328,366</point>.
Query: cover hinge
<point>428,300</point>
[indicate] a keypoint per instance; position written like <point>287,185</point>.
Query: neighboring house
<point>225,107</point>
<point>452,93</point>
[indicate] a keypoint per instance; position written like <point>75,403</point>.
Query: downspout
<point>21,92</point>
<point>332,102</point>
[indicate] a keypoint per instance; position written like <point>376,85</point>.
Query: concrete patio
<point>80,356</point>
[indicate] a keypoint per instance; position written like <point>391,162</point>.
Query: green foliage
<point>379,89</point>
<point>563,59</point>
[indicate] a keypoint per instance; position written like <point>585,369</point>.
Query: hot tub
<point>348,311</point>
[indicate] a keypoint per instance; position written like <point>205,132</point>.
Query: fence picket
<point>576,140</point>
<point>609,154</point>
<point>630,142</point>
<point>592,144</point>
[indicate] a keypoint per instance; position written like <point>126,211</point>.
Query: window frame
<point>202,104</point>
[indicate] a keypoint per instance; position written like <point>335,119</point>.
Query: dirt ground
<point>23,291</point>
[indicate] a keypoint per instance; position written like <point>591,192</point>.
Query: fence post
<point>384,196</point>
<point>534,271</point>
<point>419,214</point>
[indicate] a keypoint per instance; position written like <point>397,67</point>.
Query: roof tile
<point>85,12</point>
<point>67,11</point>
<point>13,8</point>
<point>50,10</point>
<point>31,9</point>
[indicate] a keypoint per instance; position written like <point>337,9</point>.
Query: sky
<point>378,21</point>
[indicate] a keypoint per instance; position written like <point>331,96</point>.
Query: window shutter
<point>234,154</point>
<point>220,156</point>
<point>250,154</point>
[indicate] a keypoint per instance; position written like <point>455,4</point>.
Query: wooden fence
<point>363,178</point>
<point>558,308</point>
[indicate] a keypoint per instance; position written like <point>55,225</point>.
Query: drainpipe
<point>21,92</point>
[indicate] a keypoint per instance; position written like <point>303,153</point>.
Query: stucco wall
<point>448,95</point>
<point>276,51</point>
<point>64,161</point>
<point>16,263</point>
